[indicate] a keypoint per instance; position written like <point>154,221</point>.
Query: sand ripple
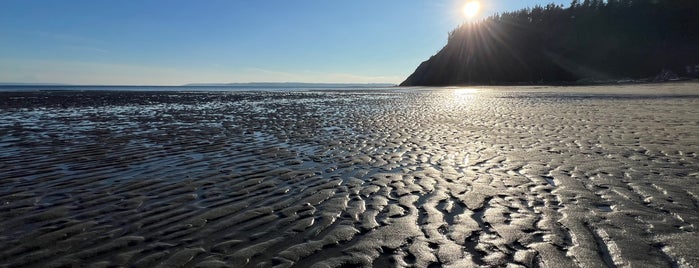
<point>549,177</point>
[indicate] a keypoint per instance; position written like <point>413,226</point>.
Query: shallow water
<point>418,177</point>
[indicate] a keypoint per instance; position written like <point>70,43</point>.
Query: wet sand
<point>507,176</point>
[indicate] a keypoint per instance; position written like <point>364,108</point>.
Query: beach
<point>547,176</point>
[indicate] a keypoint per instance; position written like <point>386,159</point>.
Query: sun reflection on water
<point>465,92</point>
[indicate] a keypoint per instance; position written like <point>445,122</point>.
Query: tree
<point>619,38</point>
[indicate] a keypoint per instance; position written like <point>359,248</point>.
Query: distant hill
<point>291,85</point>
<point>241,85</point>
<point>592,40</point>
<point>29,84</point>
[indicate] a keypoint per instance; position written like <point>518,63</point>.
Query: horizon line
<point>190,84</point>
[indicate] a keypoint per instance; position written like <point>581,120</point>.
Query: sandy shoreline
<point>404,177</point>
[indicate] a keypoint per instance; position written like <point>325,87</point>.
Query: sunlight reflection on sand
<point>415,177</point>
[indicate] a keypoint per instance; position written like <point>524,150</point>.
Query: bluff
<point>595,39</point>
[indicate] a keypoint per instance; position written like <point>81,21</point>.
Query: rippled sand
<point>550,177</point>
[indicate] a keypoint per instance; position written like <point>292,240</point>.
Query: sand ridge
<point>548,177</point>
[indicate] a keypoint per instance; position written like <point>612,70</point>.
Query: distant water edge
<point>236,88</point>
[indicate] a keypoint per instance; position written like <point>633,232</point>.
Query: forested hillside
<point>589,40</point>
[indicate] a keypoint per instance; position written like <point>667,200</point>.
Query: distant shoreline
<point>193,88</point>
<point>251,85</point>
<point>289,84</point>
<point>256,86</point>
<point>570,84</point>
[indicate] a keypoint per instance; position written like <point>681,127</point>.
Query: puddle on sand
<point>605,208</point>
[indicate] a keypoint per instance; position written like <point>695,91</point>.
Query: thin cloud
<point>92,73</point>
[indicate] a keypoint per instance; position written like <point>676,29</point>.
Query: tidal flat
<point>407,177</point>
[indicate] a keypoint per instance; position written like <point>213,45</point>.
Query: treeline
<point>589,40</point>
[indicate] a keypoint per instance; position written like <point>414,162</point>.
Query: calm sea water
<point>236,88</point>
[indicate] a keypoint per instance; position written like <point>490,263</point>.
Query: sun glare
<point>465,91</point>
<point>471,8</point>
<point>465,95</point>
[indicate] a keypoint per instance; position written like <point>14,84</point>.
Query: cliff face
<point>432,72</point>
<point>593,40</point>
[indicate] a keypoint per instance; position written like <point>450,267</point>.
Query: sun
<point>471,8</point>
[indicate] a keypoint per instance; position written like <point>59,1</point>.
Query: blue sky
<point>173,42</point>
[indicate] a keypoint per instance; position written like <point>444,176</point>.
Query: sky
<point>175,42</point>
